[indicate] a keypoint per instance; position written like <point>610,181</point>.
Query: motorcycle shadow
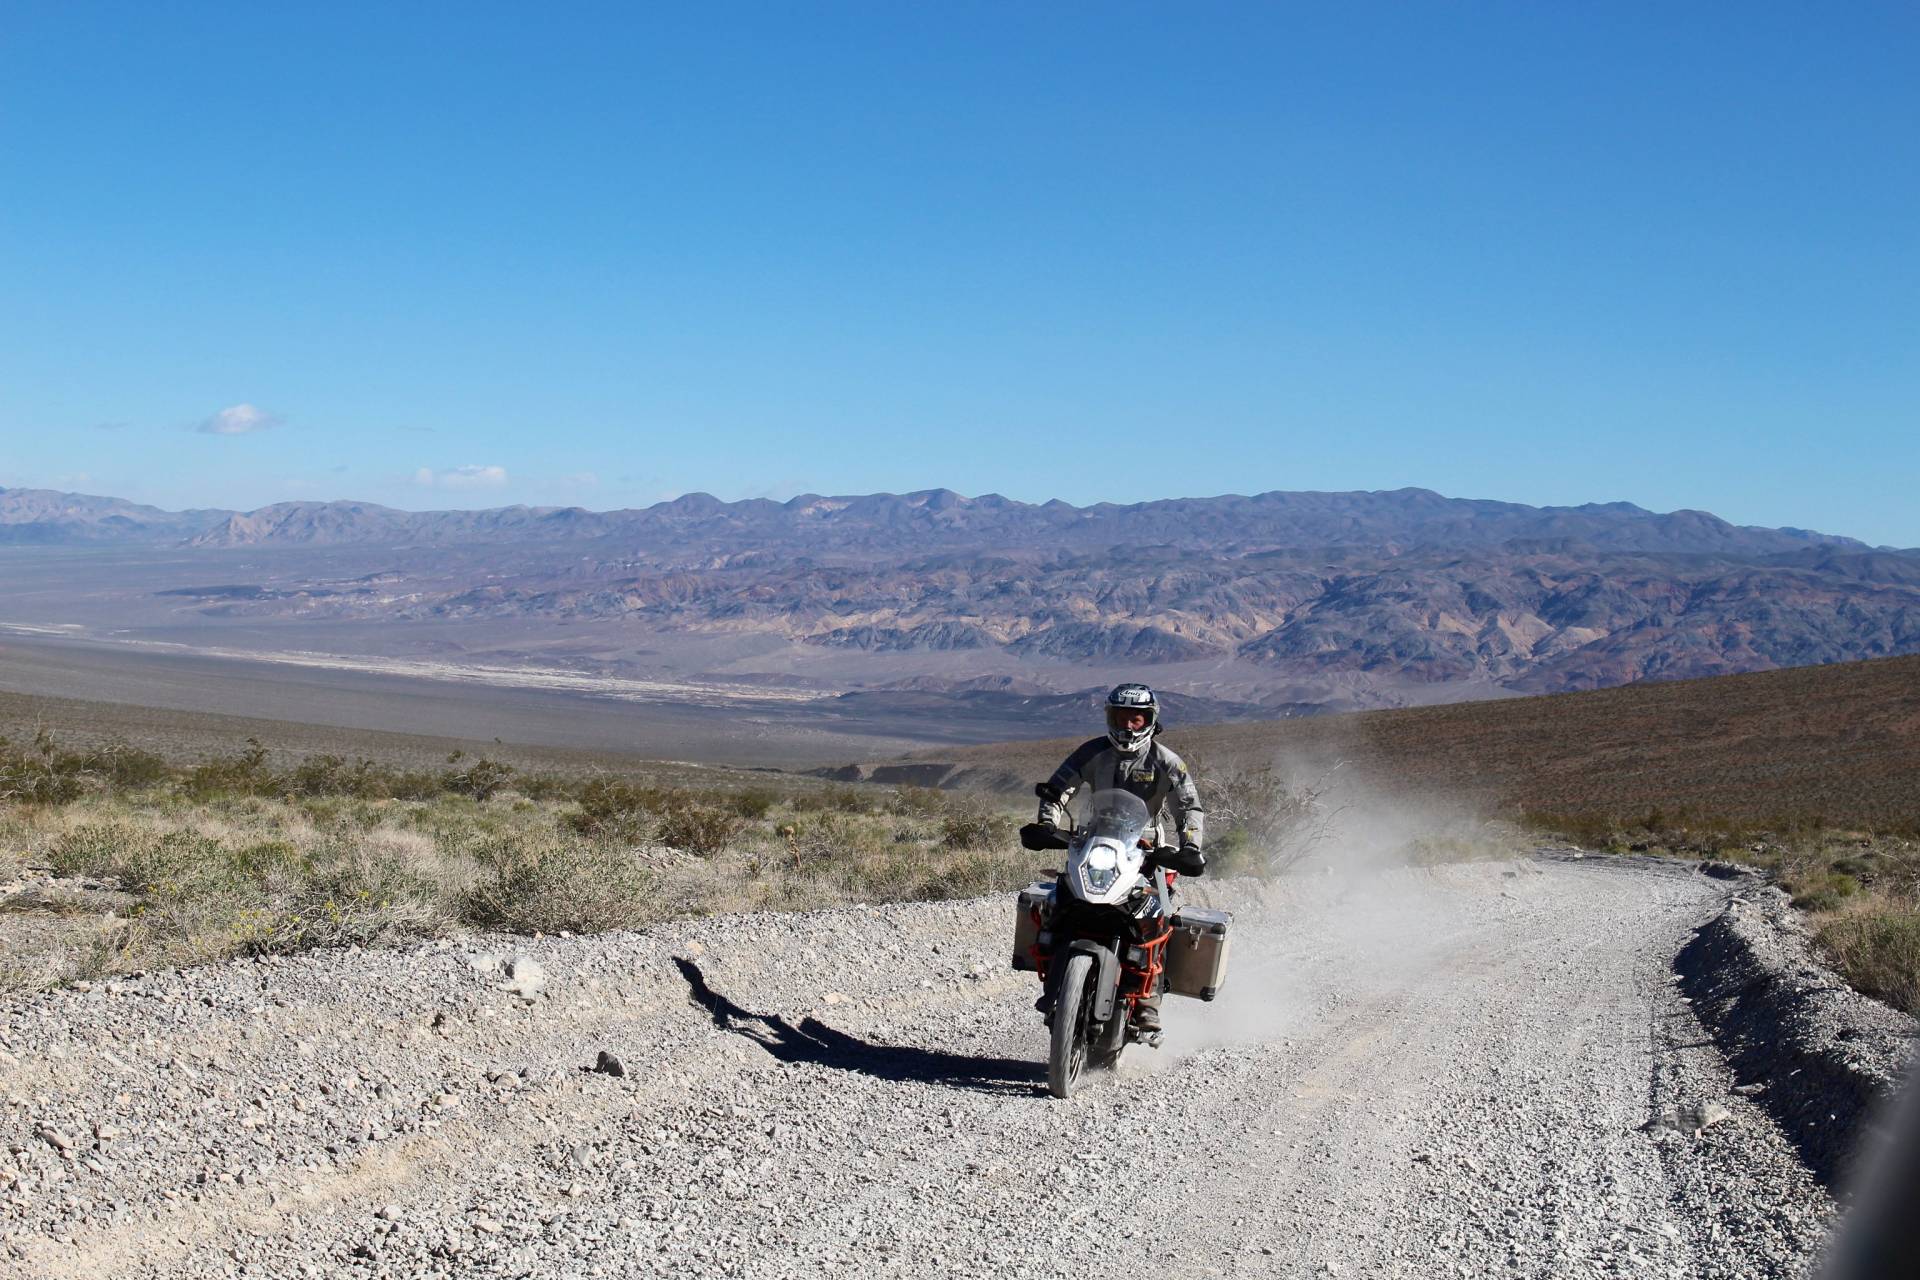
<point>813,1041</point>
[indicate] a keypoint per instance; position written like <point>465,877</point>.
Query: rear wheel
<point>1072,1014</point>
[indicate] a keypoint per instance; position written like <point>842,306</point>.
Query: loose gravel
<point>1822,1058</point>
<point>1486,1069</point>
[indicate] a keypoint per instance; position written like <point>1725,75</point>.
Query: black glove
<point>1041,836</point>
<point>1189,861</point>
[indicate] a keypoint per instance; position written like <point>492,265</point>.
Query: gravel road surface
<point>1485,1069</point>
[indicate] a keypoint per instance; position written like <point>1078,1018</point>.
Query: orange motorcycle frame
<point>1137,981</point>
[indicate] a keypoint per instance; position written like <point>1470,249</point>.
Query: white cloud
<point>239,420</point>
<point>469,477</point>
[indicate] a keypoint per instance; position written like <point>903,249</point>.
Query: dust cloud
<point>1373,886</point>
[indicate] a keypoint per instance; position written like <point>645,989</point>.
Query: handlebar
<point>1040,837</point>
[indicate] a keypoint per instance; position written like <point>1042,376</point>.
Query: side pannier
<point>1197,952</point>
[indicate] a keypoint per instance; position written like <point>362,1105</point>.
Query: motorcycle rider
<point>1129,758</point>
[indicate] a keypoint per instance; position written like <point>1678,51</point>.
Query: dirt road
<point>1412,1073</point>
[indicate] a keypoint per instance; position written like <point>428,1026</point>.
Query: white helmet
<point>1124,702</point>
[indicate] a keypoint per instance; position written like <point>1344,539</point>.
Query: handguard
<point>1038,837</point>
<point>1187,859</point>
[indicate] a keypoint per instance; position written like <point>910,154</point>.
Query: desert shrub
<point>266,860</point>
<point>1823,892</point>
<point>330,775</point>
<point>821,836</point>
<point>988,871</point>
<point>453,824</point>
<point>614,808</point>
<point>45,773</point>
<point>545,885</point>
<point>91,849</point>
<point>914,801</point>
<point>894,877</point>
<point>339,811</point>
<point>413,784</point>
<point>927,875</point>
<point>205,894</point>
<point>752,804</point>
<point>476,779</point>
<point>1898,873</point>
<point>975,828</point>
<point>128,767</point>
<point>1878,952</point>
<point>839,799</point>
<point>140,856</point>
<point>1864,866</point>
<point>700,828</point>
<point>357,886</point>
<point>1260,821</point>
<point>245,772</point>
<point>546,786</point>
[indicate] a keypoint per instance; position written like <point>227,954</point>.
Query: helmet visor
<point>1126,722</point>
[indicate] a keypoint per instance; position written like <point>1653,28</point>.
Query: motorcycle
<point>1102,935</point>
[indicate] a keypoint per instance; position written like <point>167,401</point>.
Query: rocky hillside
<point>1537,621</point>
<point>47,517</point>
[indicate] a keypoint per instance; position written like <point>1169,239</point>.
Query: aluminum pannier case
<point>1030,908</point>
<point>1196,956</point>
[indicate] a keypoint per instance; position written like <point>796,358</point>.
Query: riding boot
<point>1146,1014</point>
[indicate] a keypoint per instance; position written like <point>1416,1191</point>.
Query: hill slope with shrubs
<point>112,859</point>
<point>1812,774</point>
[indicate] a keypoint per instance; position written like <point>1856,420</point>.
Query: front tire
<point>1072,1014</point>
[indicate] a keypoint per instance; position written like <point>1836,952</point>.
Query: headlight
<point>1100,869</point>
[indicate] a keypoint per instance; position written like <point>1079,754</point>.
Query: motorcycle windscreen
<point>1116,815</point>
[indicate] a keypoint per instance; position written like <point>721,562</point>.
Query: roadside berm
<point>1824,1060</point>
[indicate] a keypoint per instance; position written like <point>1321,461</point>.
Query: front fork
<point>1140,968</point>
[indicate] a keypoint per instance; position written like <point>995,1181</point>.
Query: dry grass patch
<point>1876,945</point>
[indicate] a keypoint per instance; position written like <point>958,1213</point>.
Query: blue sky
<point>458,255</point>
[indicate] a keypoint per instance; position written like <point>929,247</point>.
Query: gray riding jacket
<point>1154,773</point>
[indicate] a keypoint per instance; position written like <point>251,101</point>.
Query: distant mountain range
<point>46,517</point>
<point>1399,519</point>
<point>1334,599</point>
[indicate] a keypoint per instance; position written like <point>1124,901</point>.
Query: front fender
<point>1106,982</point>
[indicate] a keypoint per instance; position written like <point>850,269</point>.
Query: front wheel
<point>1072,1016</point>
